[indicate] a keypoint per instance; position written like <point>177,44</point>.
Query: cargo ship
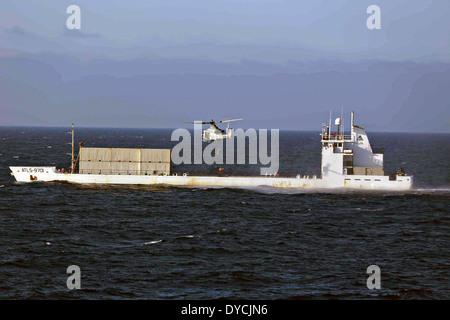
<point>348,162</point>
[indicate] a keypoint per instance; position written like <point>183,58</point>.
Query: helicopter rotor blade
<point>230,120</point>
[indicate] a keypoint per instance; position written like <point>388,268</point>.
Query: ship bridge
<point>349,154</point>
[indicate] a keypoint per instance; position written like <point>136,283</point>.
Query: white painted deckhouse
<point>348,161</point>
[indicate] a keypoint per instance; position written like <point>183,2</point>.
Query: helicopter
<point>214,132</point>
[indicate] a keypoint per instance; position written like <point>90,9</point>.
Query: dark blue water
<point>162,242</point>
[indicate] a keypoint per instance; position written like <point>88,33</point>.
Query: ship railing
<point>185,174</point>
<point>124,172</point>
<point>299,176</point>
<point>160,173</point>
<point>336,137</point>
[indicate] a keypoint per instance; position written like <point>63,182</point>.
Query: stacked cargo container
<point>125,161</point>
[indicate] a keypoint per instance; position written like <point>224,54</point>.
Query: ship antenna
<point>330,124</point>
<point>73,143</point>
<point>352,119</point>
<point>72,167</point>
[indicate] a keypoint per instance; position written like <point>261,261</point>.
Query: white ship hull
<point>48,174</point>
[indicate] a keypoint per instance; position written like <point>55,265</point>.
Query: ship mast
<point>73,144</point>
<point>72,166</point>
<point>352,119</point>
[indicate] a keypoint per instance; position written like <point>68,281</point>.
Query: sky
<point>334,29</point>
<point>278,64</point>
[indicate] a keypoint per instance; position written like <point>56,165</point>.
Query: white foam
<point>153,242</point>
<point>432,190</point>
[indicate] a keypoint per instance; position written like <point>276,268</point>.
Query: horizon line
<point>174,128</point>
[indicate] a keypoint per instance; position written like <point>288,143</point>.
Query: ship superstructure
<point>348,161</point>
<point>350,157</point>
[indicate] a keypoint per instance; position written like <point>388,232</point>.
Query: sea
<point>198,243</point>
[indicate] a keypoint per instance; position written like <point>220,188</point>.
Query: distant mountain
<point>44,89</point>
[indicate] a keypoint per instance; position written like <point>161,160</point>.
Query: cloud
<point>272,31</point>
